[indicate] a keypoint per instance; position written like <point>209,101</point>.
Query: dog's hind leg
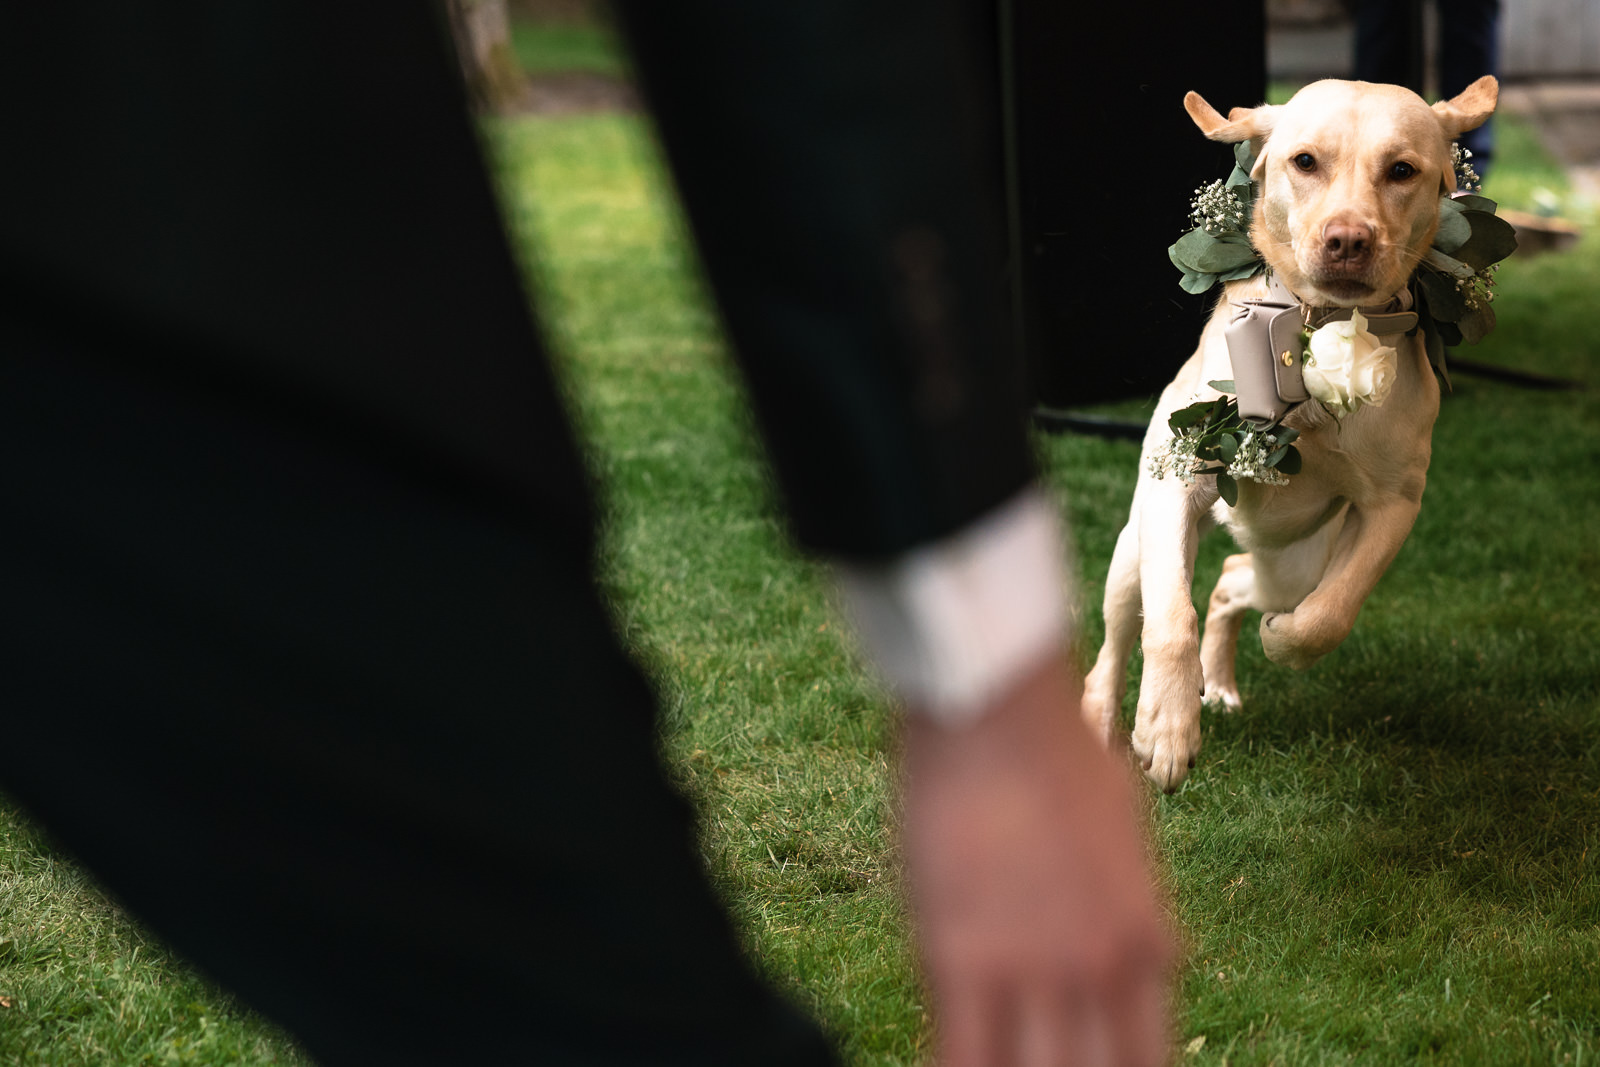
<point>1219,643</point>
<point>1106,683</point>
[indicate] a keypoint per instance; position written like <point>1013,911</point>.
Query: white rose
<point>1347,367</point>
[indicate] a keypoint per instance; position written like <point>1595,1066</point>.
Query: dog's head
<point>1349,176</point>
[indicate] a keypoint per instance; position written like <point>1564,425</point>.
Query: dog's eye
<point>1306,162</point>
<point>1402,171</point>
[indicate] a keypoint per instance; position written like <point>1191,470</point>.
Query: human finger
<point>1134,1006</point>
<point>1057,1027</point>
<point>970,1021</point>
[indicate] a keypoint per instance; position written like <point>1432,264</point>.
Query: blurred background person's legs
<point>1391,46</point>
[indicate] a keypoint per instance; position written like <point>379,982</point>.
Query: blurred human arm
<point>839,164</point>
<point>1040,932</point>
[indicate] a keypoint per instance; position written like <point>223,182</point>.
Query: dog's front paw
<point>1166,735</point>
<point>1100,704</point>
<point>1288,641</point>
<point>1167,749</point>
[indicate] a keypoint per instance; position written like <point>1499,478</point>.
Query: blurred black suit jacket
<point>302,653</point>
<point>283,200</point>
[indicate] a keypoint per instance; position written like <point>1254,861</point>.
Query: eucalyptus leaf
<point>1229,447</point>
<point>1249,270</point>
<point>1185,252</point>
<point>1228,488</point>
<point>1230,256</point>
<point>1445,301</point>
<point>1446,264</point>
<point>1476,324</point>
<point>1193,415</point>
<point>1198,250</point>
<point>1291,462</point>
<point>1189,247</point>
<point>1223,385</point>
<point>1244,155</point>
<point>1432,343</point>
<point>1435,345</point>
<point>1472,202</point>
<point>1492,240</point>
<point>1285,434</point>
<point>1448,332</point>
<point>1454,231</point>
<point>1194,280</point>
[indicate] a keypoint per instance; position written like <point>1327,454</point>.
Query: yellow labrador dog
<point>1348,178</point>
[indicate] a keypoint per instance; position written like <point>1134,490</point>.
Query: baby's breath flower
<point>1250,461</point>
<point>1478,290</point>
<point>1467,179</point>
<point>1177,458</point>
<point>1198,449</point>
<point>1217,209</point>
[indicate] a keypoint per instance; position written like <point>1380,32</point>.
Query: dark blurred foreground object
<point>303,656</point>
<point>482,33</point>
<point>1104,161</point>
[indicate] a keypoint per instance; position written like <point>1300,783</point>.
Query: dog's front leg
<point>1166,732</point>
<point>1104,685</point>
<point>1368,543</point>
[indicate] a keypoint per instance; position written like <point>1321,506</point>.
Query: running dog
<point>1349,177</point>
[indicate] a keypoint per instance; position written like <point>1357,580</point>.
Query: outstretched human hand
<point>1038,922</point>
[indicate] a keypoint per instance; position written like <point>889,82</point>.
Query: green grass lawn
<point>81,984</point>
<point>1389,858</point>
<point>566,45</point>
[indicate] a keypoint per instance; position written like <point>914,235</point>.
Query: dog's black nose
<point>1346,243</point>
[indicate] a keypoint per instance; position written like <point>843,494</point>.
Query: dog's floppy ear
<point>1242,124</point>
<point>1469,110</point>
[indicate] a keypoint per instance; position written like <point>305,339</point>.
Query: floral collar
<point>1452,288</point>
<point>1284,352</point>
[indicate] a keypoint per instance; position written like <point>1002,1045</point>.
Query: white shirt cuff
<point>952,624</point>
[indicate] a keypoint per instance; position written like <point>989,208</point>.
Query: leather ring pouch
<point>1258,337</point>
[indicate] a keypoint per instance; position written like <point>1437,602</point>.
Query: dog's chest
<point>1375,452</point>
<point>1274,516</point>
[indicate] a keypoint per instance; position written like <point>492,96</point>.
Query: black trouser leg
<point>363,748</point>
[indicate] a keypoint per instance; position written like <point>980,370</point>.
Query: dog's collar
<point>1266,342</point>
